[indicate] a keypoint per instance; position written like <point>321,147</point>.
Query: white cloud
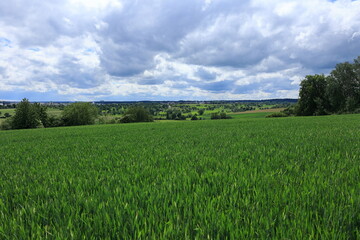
<point>206,49</point>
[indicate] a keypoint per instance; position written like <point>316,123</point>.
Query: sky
<point>132,50</point>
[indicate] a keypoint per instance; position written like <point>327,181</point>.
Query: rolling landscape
<point>181,120</point>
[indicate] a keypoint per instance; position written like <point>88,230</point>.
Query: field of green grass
<point>245,178</point>
<point>11,111</point>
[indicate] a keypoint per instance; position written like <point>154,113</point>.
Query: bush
<point>128,118</point>
<point>6,125</point>
<point>80,113</point>
<point>194,117</point>
<point>214,116</point>
<point>221,115</point>
<point>291,111</point>
<point>175,114</point>
<point>107,120</point>
<point>54,121</point>
<point>277,114</point>
<point>136,114</point>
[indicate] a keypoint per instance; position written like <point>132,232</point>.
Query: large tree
<point>26,116</point>
<point>312,97</point>
<point>80,113</point>
<point>343,87</point>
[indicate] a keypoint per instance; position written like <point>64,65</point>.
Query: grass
<point>54,111</point>
<point>7,110</point>
<point>289,178</point>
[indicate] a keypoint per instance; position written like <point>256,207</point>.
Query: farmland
<point>247,177</point>
<point>110,113</point>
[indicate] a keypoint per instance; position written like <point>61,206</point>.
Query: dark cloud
<point>123,59</point>
<point>218,46</point>
<point>246,89</point>
<point>216,87</point>
<point>75,75</point>
<point>150,81</point>
<point>140,31</point>
<point>203,74</point>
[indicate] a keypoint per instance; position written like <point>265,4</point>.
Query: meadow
<point>243,178</point>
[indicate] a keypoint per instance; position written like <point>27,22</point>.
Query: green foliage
<point>6,125</point>
<point>201,111</point>
<point>221,115</point>
<point>136,114</point>
<point>312,95</point>
<point>175,114</point>
<point>41,114</point>
<point>80,113</point>
<point>337,93</point>
<point>342,84</point>
<point>277,114</point>
<point>292,110</point>
<point>194,117</point>
<point>197,180</point>
<point>54,121</point>
<point>185,109</point>
<point>127,118</point>
<point>27,115</point>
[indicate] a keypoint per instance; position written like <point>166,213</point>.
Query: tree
<point>194,117</point>
<point>343,83</point>
<point>175,114</point>
<point>54,121</point>
<point>201,111</point>
<point>136,114</point>
<point>26,116</point>
<point>312,98</point>
<point>80,113</point>
<point>337,93</point>
<point>42,114</point>
<point>214,115</point>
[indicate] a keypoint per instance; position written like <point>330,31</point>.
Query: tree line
<point>34,115</point>
<point>337,93</point>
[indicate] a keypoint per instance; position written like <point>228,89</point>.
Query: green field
<point>245,178</point>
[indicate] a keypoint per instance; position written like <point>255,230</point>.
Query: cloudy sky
<point>170,49</point>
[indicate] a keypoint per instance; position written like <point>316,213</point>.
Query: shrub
<point>108,120</point>
<point>277,114</point>
<point>194,117</point>
<point>128,118</point>
<point>80,113</point>
<point>6,125</point>
<point>221,115</point>
<point>136,114</point>
<point>214,116</point>
<point>54,121</point>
